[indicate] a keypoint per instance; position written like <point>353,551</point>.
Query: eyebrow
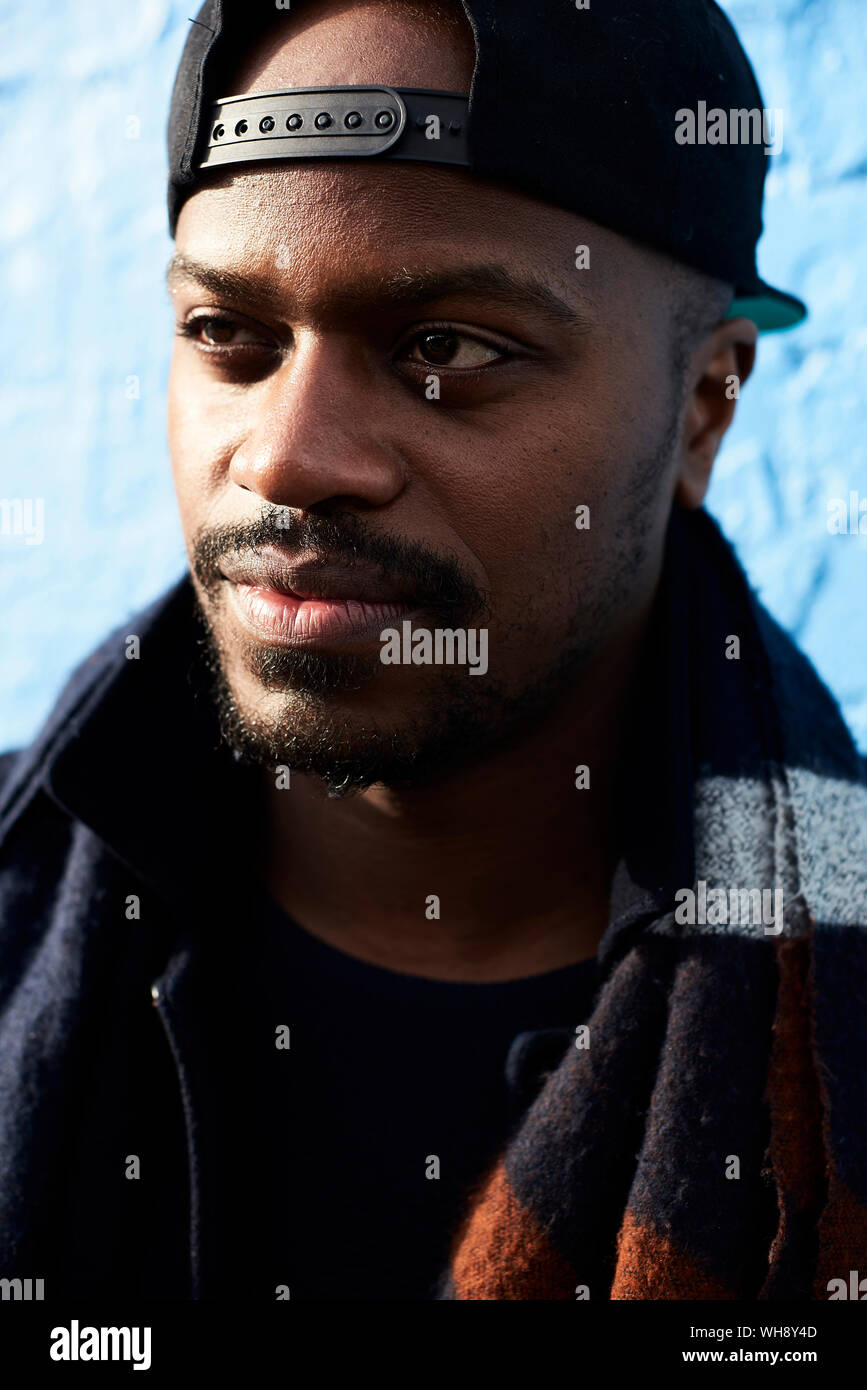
<point>495,283</point>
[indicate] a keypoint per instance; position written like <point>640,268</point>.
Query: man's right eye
<point>214,331</point>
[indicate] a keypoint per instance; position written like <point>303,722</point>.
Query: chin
<point>348,752</point>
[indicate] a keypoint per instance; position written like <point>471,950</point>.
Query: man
<point>495,865</point>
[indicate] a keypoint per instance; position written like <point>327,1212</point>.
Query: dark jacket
<point>113,861</point>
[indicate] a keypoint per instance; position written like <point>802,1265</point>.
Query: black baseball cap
<point>641,115</point>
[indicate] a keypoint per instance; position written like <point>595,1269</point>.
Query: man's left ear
<point>718,368</point>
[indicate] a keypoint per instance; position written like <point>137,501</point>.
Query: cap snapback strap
<point>392,122</point>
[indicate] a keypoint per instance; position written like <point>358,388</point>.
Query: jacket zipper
<point>161,1003</point>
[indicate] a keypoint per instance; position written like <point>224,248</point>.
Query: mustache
<point>432,581</point>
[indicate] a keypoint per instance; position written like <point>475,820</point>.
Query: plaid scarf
<point>706,1136</point>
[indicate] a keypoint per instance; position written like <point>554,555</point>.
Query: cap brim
<point>769,309</point>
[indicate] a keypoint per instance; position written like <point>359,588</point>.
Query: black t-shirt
<point>364,1136</point>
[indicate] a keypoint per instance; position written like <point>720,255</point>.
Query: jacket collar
<point>138,757</point>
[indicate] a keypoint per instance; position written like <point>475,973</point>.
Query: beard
<point>456,720</point>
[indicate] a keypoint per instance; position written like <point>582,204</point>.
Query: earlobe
<point>719,368</point>
<point>691,489</point>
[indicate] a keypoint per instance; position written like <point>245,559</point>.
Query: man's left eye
<point>443,347</point>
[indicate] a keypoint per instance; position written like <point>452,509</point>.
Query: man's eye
<point>444,347</point>
<point>211,331</point>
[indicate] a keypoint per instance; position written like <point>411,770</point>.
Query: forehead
<point>390,203</point>
<point>341,221</point>
<point>338,42</point>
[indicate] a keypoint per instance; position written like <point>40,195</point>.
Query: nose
<point>316,433</point>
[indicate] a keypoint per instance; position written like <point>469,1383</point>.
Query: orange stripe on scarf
<point>793,1097</point>
<point>650,1266</point>
<point>503,1253</point>
<point>842,1233</point>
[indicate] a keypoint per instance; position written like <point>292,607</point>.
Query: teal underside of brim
<point>767,312</point>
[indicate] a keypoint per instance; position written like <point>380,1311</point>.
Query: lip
<point>292,620</point>
<point>308,576</point>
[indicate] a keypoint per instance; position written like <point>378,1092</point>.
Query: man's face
<point>391,390</point>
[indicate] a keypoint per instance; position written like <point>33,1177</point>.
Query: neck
<point>501,871</point>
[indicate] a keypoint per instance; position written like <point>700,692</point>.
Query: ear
<point>718,368</point>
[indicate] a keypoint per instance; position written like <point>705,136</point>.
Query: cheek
<point>203,435</point>
<point>551,567</point>
<point>518,504</point>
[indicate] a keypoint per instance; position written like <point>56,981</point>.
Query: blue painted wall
<point>86,333</point>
